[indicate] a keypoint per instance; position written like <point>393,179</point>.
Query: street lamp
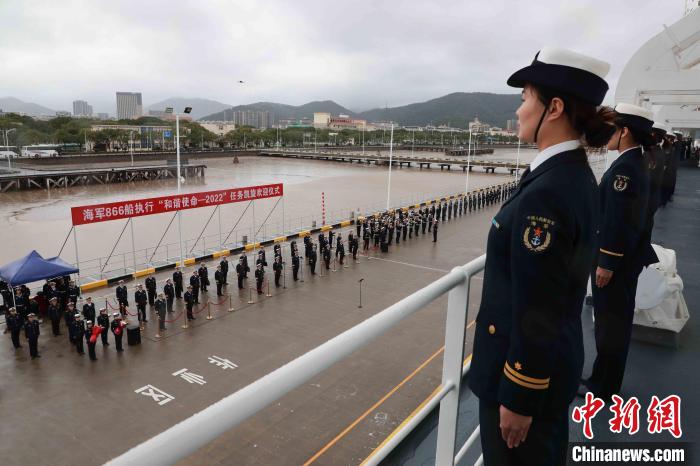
<point>7,145</point>
<point>179,178</point>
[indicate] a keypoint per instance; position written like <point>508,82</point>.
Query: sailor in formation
<point>528,348</point>
<point>624,246</point>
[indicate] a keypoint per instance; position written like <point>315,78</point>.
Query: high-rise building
<point>254,118</point>
<point>81,108</point>
<point>129,105</point>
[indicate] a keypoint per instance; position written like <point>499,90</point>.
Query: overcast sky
<point>361,54</point>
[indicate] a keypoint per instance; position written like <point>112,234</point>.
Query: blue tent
<point>33,267</point>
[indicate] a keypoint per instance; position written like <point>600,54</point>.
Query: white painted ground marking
<point>410,265</point>
<point>221,362</point>
<point>190,377</point>
<point>157,394</point>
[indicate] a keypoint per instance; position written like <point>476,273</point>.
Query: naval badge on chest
<point>621,182</point>
<point>538,233</point>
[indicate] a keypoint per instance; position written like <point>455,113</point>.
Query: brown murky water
<point>41,219</point>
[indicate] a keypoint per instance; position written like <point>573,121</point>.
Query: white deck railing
<point>184,438</point>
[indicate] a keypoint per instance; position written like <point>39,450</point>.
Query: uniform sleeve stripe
<point>525,384</point>
<point>525,378</point>
<point>616,254</point>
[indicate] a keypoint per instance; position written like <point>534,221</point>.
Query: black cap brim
<point>576,82</point>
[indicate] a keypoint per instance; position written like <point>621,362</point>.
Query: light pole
<point>391,153</point>
<point>179,178</point>
<point>7,145</point>
<point>131,146</point>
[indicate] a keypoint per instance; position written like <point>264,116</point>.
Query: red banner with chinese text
<point>161,205</point>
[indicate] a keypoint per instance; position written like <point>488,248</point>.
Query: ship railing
<point>186,437</point>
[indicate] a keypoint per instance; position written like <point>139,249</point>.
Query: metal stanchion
<point>230,303</point>
<point>335,259</point>
<point>209,317</point>
<point>250,295</point>
<point>360,282</point>
<point>268,289</point>
<point>284,275</point>
<point>184,314</point>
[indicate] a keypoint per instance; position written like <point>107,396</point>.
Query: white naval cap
<point>634,116</point>
<point>659,127</point>
<point>567,71</point>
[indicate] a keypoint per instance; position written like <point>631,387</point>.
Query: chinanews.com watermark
<point>603,454</point>
<point>660,416</point>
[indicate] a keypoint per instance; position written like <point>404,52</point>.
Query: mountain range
<point>200,107</point>
<point>11,104</point>
<point>455,109</point>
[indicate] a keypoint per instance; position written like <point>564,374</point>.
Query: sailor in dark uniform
<point>313,259</point>
<point>240,272</point>
<point>624,247</point>
<point>189,302</point>
<point>327,257</point>
<point>246,267</point>
<point>122,293</point>
<point>150,289</point>
<point>177,281</point>
<point>295,265</point>
<point>14,325</point>
<point>54,312</point>
<point>194,283</point>
<point>141,299</point>
<point>203,276</point>
<point>655,160</point>
<point>435,230</point>
<point>89,310</point>
<point>77,332</point>
<point>259,277</point>
<point>277,269</point>
<point>219,280</point>
<point>103,321</point>
<point>528,347</point>
<point>224,269</point>
<point>169,292</point>
<point>32,332</point>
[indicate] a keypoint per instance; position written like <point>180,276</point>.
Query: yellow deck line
<point>377,404</point>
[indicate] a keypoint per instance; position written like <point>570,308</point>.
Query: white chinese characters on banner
<point>158,395</point>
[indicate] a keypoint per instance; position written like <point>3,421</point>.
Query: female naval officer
<point>624,247</point>
<point>528,348</point>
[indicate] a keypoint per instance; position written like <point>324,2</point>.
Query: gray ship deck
<point>651,370</point>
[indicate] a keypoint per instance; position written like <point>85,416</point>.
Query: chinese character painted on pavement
<point>222,363</point>
<point>158,395</point>
<point>587,412</point>
<point>190,377</point>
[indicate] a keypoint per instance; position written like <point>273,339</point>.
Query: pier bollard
<point>268,289</point>
<point>209,317</point>
<point>250,295</point>
<point>230,303</point>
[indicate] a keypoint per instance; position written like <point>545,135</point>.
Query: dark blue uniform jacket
<point>528,347</point>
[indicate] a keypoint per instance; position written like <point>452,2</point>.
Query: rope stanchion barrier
<point>202,307</point>
<point>174,319</point>
<point>268,289</point>
<point>209,316</point>
<point>250,296</point>
<point>230,304</point>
